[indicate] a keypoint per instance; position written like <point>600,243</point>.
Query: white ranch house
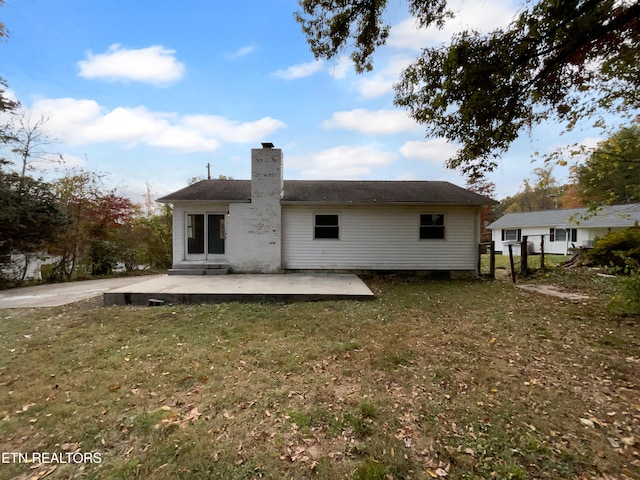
<point>562,230</point>
<point>268,224</point>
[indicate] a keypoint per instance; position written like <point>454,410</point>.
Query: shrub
<point>619,250</point>
<point>627,300</point>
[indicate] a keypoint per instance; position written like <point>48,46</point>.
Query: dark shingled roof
<point>212,190</point>
<point>336,192</point>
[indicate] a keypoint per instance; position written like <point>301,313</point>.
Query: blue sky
<point>149,92</point>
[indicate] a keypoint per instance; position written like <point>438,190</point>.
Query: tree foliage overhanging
<point>566,59</point>
<point>611,173</point>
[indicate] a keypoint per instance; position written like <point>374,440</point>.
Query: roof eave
<point>200,200</point>
<point>370,204</point>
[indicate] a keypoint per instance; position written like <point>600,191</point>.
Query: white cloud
<point>80,122</point>
<point>380,122</point>
<point>381,83</point>
<point>592,142</point>
<point>437,150</point>
<point>340,163</point>
<point>301,70</point>
<point>481,15</point>
<point>233,131</point>
<point>155,65</point>
<point>408,176</point>
<point>337,69</point>
<point>340,68</point>
<point>241,52</point>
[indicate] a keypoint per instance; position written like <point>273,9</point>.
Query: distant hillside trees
<point>542,192</point>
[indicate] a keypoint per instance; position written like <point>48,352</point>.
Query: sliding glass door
<point>205,236</point>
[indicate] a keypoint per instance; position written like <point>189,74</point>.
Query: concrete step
<point>198,271</point>
<point>206,269</point>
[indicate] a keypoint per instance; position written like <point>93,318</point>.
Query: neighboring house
<point>562,230</point>
<point>268,224</point>
<point>18,266</point>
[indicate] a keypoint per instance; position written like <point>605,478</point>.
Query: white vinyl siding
<point>380,238</point>
<point>583,237</point>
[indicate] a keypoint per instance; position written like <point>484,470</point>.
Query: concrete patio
<point>291,287</point>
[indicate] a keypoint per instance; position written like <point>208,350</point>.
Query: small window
<point>326,226</point>
<point>511,235</point>
<point>431,226</point>
<point>558,235</point>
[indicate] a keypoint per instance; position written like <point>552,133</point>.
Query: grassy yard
<point>434,379</point>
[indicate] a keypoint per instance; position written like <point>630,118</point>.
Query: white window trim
<point>444,237</point>
<point>337,214</point>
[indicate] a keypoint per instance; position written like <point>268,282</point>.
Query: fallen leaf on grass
<point>586,422</point>
<point>297,454</point>
<point>70,447</point>
<point>26,407</point>
<point>193,414</point>
<point>182,421</point>
<point>42,473</point>
<point>630,441</point>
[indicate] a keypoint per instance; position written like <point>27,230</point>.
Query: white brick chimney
<point>267,183</point>
<point>257,226</point>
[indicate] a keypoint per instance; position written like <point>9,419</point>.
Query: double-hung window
<point>432,226</point>
<point>563,234</point>
<point>511,234</point>
<point>326,226</point>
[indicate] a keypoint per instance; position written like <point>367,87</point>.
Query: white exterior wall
<point>381,238</point>
<point>254,230</point>
<point>584,235</point>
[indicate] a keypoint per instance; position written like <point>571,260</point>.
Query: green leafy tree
<point>151,232</point>
<point>154,238</point>
<point>30,217</point>
<point>620,251</point>
<point>96,237</point>
<point>7,104</point>
<point>109,216</point>
<point>567,59</point>
<point>611,173</point>
<point>488,189</point>
<point>76,191</point>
